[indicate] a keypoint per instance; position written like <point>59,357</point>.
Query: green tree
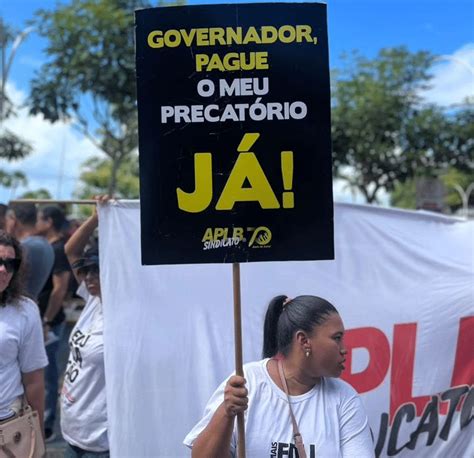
<point>454,178</point>
<point>96,173</point>
<point>89,78</point>
<point>404,194</point>
<point>439,140</point>
<point>38,194</point>
<point>12,147</point>
<point>13,180</point>
<point>382,132</point>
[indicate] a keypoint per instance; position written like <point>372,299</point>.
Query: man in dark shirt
<point>51,220</point>
<point>39,255</point>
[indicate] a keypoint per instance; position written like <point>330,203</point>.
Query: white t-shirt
<point>83,401</point>
<point>21,349</point>
<point>331,419</point>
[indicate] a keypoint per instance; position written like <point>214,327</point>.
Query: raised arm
<point>74,247</point>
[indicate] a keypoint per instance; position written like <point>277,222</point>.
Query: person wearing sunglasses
<point>22,353</point>
<point>83,402</point>
<point>294,403</point>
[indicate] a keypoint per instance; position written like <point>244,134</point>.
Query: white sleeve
<point>356,439</point>
<point>214,402</point>
<point>32,354</point>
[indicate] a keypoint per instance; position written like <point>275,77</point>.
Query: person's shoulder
<point>340,387</point>
<point>254,365</point>
<point>58,245</point>
<point>61,263</point>
<point>27,307</point>
<point>92,310</point>
<point>27,303</point>
<point>255,370</point>
<point>37,242</point>
<point>93,302</point>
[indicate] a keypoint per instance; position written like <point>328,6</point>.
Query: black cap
<point>89,258</point>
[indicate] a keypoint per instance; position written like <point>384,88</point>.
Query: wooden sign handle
<point>238,354</point>
<point>55,201</point>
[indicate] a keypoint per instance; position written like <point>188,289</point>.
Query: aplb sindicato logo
<point>222,237</point>
<point>261,237</point>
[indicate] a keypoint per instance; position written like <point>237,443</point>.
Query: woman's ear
<point>301,338</point>
<point>303,343</point>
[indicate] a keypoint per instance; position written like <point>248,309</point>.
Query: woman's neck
<point>297,379</point>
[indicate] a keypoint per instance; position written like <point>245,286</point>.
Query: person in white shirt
<point>22,353</point>
<point>304,352</point>
<point>83,399</point>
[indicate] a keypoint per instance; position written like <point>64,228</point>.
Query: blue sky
<point>442,27</point>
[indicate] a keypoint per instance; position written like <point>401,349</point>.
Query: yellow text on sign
<point>222,233</point>
<point>246,171</point>
<point>232,61</point>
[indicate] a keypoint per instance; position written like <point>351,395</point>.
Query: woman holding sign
<point>293,396</point>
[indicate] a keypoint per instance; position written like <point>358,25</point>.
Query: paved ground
<point>56,448</point>
<point>55,452</point>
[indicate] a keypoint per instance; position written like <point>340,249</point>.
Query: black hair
<point>15,288</point>
<point>25,212</point>
<point>56,214</point>
<point>284,318</point>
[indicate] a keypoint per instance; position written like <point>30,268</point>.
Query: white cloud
<point>453,77</point>
<point>58,152</point>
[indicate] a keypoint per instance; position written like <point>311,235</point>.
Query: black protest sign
<point>234,133</point>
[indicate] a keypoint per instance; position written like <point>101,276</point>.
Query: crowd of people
<point>42,262</point>
<point>292,399</point>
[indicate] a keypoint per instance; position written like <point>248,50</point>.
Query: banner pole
<point>54,201</point>
<point>238,353</point>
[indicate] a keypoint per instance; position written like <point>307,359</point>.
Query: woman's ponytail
<point>300,313</point>
<point>270,326</point>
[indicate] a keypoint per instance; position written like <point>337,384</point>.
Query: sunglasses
<point>93,270</point>
<point>11,264</point>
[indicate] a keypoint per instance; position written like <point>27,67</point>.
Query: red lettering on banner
<point>463,372</point>
<point>402,359</point>
<point>403,362</point>
<point>378,346</point>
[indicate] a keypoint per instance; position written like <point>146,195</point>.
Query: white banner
<point>402,281</point>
